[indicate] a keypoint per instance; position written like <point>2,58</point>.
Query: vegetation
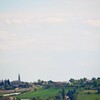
<point>58,94</point>
<point>46,93</point>
<point>41,93</point>
<point>7,85</point>
<point>90,95</point>
<point>82,89</point>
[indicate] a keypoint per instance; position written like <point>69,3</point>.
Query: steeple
<point>19,80</point>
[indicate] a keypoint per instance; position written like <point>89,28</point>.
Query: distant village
<point>16,87</point>
<point>8,85</point>
<point>83,82</point>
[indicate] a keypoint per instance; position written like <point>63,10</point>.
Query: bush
<point>98,90</point>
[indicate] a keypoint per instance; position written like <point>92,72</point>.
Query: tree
<point>63,93</point>
<point>34,98</point>
<point>98,90</point>
<point>39,82</point>
<point>57,97</point>
<point>95,84</point>
<point>71,94</point>
<point>71,80</point>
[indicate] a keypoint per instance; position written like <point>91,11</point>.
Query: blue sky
<point>49,39</point>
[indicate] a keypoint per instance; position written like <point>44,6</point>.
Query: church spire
<point>19,80</point>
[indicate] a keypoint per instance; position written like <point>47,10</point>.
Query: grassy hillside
<point>88,96</point>
<point>45,93</point>
<point>42,93</point>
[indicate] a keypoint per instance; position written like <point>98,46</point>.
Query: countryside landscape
<point>49,49</point>
<point>81,89</point>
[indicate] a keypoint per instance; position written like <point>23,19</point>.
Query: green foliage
<point>17,98</point>
<point>45,94</point>
<point>71,94</point>
<point>1,96</point>
<point>63,93</point>
<point>49,90</point>
<point>98,90</point>
<point>84,96</point>
<point>41,92</point>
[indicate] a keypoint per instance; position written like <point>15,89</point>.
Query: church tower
<point>19,80</point>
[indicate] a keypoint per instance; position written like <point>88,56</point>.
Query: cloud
<point>55,20</point>
<point>17,21</point>
<point>11,41</point>
<point>6,36</point>
<point>8,21</point>
<point>93,22</point>
<point>52,20</point>
<point>85,42</point>
<point>32,18</point>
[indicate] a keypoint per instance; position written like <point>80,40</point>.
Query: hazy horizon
<point>49,39</point>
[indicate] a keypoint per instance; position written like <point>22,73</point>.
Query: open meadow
<point>41,93</point>
<point>88,96</point>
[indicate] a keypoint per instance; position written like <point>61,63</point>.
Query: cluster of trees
<point>62,95</point>
<point>84,82</point>
<point>73,84</point>
<point>69,95</point>
<point>7,85</point>
<point>94,83</point>
<point>72,94</point>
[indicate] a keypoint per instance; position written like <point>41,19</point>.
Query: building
<point>19,79</point>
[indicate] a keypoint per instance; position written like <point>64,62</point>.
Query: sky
<point>49,39</point>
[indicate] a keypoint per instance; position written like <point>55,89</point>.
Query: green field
<point>88,96</point>
<point>42,93</point>
<point>45,93</point>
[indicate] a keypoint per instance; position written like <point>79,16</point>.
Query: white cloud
<point>32,18</point>
<point>11,41</point>
<point>52,20</point>
<point>55,20</point>
<point>17,21</point>
<point>6,36</point>
<point>93,22</point>
<point>86,42</point>
<point>8,21</point>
